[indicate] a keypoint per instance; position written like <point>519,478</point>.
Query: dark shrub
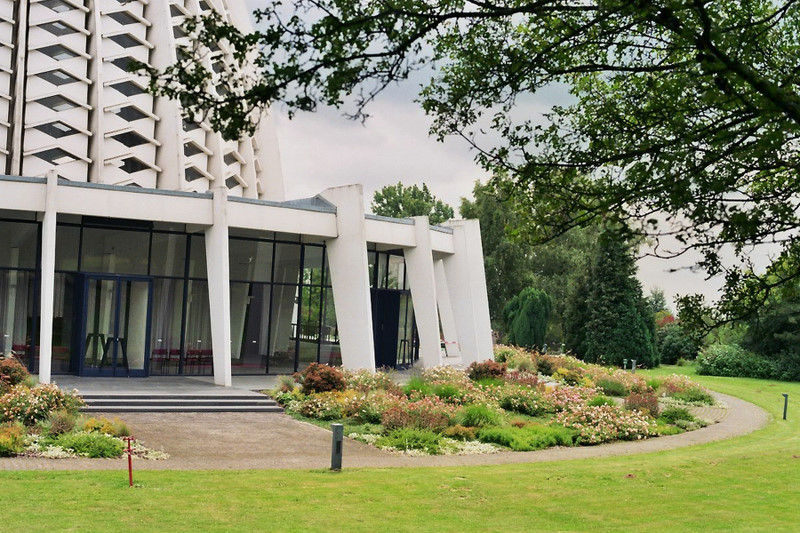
<point>486,369</point>
<point>731,360</point>
<point>478,416</point>
<point>91,444</point>
<point>674,343</point>
<point>11,373</point>
<point>60,422</point>
<point>459,432</point>
<point>611,386</point>
<point>321,378</point>
<point>646,402</point>
<point>694,395</point>
<point>670,415</point>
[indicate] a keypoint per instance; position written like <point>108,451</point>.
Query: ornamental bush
<point>91,444</point>
<point>527,438</point>
<point>524,400</point>
<point>478,416</point>
<point>427,413</point>
<point>12,439</point>
<point>321,378</point>
<point>731,360</point>
<point>11,373</point>
<point>646,402</point>
<point>486,369</point>
<point>411,439</point>
<point>604,423</point>
<point>29,406</point>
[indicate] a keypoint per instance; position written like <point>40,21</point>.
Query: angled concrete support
<point>48,276</point>
<point>349,267</point>
<point>419,269</point>
<point>219,287</point>
<point>465,274</point>
<point>448,321</point>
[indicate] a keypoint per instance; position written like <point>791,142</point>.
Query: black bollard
<point>785,405</point>
<point>337,431</point>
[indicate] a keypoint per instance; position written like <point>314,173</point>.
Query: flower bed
<point>44,421</point>
<point>522,401</point>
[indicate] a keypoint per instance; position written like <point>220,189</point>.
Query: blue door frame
<point>111,348</point>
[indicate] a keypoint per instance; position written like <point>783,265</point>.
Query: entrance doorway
<point>112,338</point>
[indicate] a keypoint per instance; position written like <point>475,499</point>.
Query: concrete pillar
<point>464,272</point>
<point>448,321</point>
<point>219,287</point>
<point>349,267</point>
<point>419,269</point>
<point>48,276</point>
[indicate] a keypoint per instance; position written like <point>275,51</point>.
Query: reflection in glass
<point>308,325</point>
<point>64,301</point>
<point>165,330</point>
<point>132,329</point>
<point>115,251</point>
<point>250,260</point>
<point>169,251</point>
<point>282,338</point>
<point>18,245</point>
<point>16,314</point>
<point>249,327</point>
<point>199,356</point>
<point>68,240</point>
<point>329,351</point>
<point>101,305</point>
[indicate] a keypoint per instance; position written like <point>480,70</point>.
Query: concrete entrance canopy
<point>86,150</point>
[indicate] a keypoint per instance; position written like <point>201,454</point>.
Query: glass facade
<point>131,298</point>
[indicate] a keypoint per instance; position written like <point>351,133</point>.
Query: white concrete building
<point>134,243</point>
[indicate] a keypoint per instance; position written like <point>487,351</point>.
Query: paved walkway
<point>221,441</point>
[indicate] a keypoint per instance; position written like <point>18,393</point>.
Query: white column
<point>349,267</point>
<point>219,288</point>
<point>48,276</point>
<point>419,269</point>
<point>449,330</point>
<point>464,271</point>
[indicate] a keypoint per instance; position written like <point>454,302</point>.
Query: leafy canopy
<point>399,201</point>
<point>683,119</point>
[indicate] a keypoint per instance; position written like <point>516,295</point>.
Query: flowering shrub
<point>570,376</point>
<point>486,369</point>
<point>646,402</point>
<point>321,378</point>
<point>28,406</point>
<point>376,403</point>
<point>676,383</point>
<point>12,439</point>
<point>363,380</point>
<point>525,400</point>
<point>331,405</point>
<point>11,373</point>
<point>107,426</point>
<point>478,415</point>
<point>444,374</point>
<point>427,413</point>
<point>529,379</point>
<point>562,398</point>
<point>605,423</point>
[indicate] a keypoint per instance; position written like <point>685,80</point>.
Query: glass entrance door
<point>115,326</point>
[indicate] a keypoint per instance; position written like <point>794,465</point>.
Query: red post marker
<point>130,462</point>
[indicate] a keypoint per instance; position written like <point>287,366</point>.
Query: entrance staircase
<point>235,401</point>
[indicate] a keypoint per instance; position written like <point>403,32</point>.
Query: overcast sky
<point>324,149</point>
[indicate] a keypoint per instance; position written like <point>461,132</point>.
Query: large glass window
<point>165,327</point>
<point>16,313</point>
<point>169,255</point>
<point>250,307</point>
<point>250,260</point>
<point>18,245</point>
<point>115,251</point>
<point>282,324</point>
<point>199,354</point>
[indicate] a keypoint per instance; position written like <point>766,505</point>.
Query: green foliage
<point>90,444</point>
<point>774,334</point>
<point>646,402</point>
<point>59,422</point>
<point>695,395</point>
<point>601,400</point>
<point>399,201</point>
<point>730,360</point>
<point>29,406</point>
<point>486,369</point>
<point>11,373</point>
<point>12,439</point>
<point>419,385</point>
<point>512,263</point>
<point>657,302</point>
<point>321,378</point>
<point>608,319</point>
<point>526,317</point>
<point>411,439</point>
<point>670,415</point>
<point>478,415</point>
<point>459,432</point>
<point>528,438</point>
<point>674,343</point>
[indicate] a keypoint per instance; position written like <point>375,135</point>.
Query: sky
<point>324,149</point>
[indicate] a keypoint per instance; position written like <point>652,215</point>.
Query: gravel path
<point>240,441</point>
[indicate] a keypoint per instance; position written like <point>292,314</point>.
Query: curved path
<point>241,441</point>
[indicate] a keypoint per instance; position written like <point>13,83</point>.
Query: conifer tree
<point>526,317</point>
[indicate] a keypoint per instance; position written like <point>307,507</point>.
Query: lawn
<point>748,483</point>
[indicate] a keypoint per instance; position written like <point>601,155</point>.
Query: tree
<point>657,301</point>
<point>683,121</point>
<point>526,317</point>
<point>399,201</point>
<point>512,262</point>
<point>609,318</point>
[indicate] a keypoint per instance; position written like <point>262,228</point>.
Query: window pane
<point>287,263</point>
<point>250,260</point>
<point>312,265</point>
<point>282,340</point>
<point>199,355</point>
<point>396,272</point>
<point>329,335</point>
<point>67,244</point>
<point>169,253</point>
<point>16,313</point>
<point>18,245</point>
<point>249,327</point>
<point>165,326</point>
<point>197,258</point>
<point>115,251</point>
<point>66,295</point>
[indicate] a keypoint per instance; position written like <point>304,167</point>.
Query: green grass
<point>749,483</point>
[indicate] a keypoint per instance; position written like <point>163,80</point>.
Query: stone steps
<point>120,403</point>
